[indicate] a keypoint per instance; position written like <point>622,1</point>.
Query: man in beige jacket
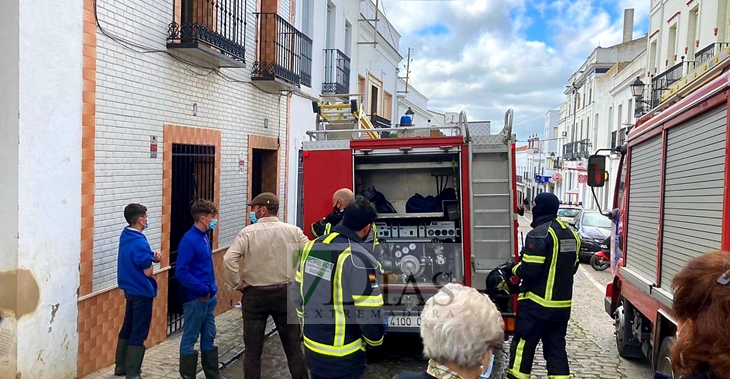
<point>261,264</point>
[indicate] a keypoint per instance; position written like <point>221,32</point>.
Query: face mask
<point>212,224</point>
<point>146,225</point>
<point>252,217</point>
<point>489,370</point>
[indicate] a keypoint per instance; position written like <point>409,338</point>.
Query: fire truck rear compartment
<point>416,250</point>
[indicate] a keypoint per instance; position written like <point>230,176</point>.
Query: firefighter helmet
<point>500,281</point>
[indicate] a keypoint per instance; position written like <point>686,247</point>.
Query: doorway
<point>193,178</point>
<point>264,172</point>
<point>373,100</point>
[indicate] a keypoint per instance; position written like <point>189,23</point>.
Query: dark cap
<point>264,198</point>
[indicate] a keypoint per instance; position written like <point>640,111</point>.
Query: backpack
<point>382,205</point>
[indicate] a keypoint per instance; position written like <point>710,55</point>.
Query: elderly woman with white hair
<point>460,328</point>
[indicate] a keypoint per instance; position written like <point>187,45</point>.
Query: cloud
<point>485,56</point>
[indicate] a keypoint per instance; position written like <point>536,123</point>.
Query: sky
<point>486,56</point>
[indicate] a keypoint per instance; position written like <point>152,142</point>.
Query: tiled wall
<point>136,95</point>
<point>128,97</point>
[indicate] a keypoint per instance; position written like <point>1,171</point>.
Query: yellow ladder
<point>339,114</point>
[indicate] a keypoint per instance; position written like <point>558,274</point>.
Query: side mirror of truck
<point>596,171</point>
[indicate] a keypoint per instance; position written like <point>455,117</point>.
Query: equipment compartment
<point>417,248</point>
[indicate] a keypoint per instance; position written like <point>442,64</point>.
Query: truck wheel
<point>664,361</point>
<point>628,347</point>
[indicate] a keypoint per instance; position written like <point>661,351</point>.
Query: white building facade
<point>378,64</point>
<point>333,26</point>
<point>584,121</point>
<point>684,36</point>
<point>152,102</point>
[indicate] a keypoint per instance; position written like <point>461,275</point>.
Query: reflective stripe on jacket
<point>338,300</point>
<point>549,259</point>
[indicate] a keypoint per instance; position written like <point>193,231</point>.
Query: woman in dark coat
<point>702,308</point>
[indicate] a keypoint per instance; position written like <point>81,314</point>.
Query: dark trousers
<point>529,330</point>
<point>257,305</point>
<point>350,376</point>
<point>137,319</point>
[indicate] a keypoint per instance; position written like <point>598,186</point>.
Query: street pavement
<point>591,343</point>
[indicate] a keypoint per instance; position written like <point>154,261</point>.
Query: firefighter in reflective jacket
<point>548,262</point>
<point>337,297</point>
<point>340,200</point>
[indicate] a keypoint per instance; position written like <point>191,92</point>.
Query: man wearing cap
<point>261,264</point>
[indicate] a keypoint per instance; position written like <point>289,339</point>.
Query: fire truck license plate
<point>405,321</point>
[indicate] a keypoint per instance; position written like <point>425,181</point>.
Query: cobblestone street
<point>591,344</point>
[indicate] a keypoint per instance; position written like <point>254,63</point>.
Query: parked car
<point>567,212</point>
<point>593,229</point>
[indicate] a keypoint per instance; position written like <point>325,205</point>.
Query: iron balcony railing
<point>282,51</point>
<point>218,23</point>
<point>662,81</point>
<point>336,72</point>
<point>577,149</point>
<point>710,51</point>
<point>618,137</point>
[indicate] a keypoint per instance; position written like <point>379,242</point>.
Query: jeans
<point>198,321</point>
<point>257,305</point>
<point>137,319</point>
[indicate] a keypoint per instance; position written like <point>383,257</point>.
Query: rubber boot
<point>209,360</point>
<point>120,361</point>
<point>135,356</point>
<point>189,365</point>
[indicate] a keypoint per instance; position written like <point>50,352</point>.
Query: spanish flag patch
<point>371,277</point>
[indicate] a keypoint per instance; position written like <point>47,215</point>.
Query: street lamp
<point>637,91</point>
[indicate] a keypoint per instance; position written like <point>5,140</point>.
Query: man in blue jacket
<point>134,277</point>
<point>198,290</point>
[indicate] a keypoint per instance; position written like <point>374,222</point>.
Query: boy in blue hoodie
<point>134,277</point>
<point>198,290</point>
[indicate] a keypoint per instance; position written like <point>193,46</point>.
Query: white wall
<point>550,133</point>
<point>9,190</point>
<point>712,14</point>
<point>418,103</point>
<point>302,118</point>
<point>41,170</point>
<point>380,61</point>
<point>137,94</point>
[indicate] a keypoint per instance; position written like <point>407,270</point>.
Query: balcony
<point>283,56</point>
<point>576,150</point>
<point>662,81</point>
<point>618,138</point>
<point>210,30</point>
<point>710,51</point>
<point>336,73</point>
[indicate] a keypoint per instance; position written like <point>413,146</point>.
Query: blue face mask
<point>489,370</point>
<point>252,217</point>
<point>146,225</point>
<point>212,224</point>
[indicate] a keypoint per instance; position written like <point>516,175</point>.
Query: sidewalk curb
<point>232,355</point>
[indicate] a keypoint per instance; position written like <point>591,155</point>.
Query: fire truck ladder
<point>345,117</point>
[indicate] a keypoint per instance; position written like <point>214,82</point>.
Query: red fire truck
<point>670,205</point>
<point>427,237</point>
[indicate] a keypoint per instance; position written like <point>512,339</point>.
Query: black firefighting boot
<point>189,365</point>
<point>120,361</point>
<point>135,356</point>
<point>210,364</point>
